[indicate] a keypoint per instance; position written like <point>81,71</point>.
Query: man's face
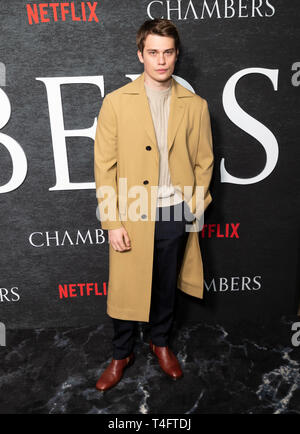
<point>159,57</point>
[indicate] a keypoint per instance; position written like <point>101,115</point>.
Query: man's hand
<point>119,239</point>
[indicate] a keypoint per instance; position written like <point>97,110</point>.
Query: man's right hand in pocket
<point>119,239</point>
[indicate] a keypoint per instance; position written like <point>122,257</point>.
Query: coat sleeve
<point>105,166</point>
<point>204,160</point>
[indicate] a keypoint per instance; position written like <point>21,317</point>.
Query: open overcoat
<point>125,147</point>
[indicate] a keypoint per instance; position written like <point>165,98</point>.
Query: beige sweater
<point>159,102</point>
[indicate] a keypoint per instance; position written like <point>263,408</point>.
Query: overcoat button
<point>146,182</point>
<point>148,148</point>
<point>143,216</point>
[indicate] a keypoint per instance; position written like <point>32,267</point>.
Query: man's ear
<point>140,56</point>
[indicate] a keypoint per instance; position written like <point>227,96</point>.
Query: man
<point>153,135</point>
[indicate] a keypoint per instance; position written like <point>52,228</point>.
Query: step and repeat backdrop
<point>58,61</point>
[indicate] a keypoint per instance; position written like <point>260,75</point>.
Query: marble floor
<point>228,368</point>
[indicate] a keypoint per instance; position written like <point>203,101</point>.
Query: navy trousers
<point>169,246</point>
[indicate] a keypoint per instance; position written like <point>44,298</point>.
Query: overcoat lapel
<point>140,109</point>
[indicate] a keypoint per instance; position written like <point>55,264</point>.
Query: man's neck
<point>157,85</point>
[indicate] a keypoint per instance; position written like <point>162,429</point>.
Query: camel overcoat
<point>125,147</point>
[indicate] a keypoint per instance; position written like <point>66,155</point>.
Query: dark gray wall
<point>214,50</point>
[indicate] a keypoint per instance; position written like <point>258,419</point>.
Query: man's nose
<point>161,59</point>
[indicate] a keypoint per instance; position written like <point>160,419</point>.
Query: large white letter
<point>58,132</point>
<point>253,127</point>
<point>17,154</point>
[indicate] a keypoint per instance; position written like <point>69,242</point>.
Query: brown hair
<point>158,26</point>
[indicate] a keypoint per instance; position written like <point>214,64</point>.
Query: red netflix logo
<point>70,290</point>
<point>47,12</point>
<point>227,230</point>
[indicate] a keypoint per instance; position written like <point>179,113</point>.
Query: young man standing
<point>152,135</point>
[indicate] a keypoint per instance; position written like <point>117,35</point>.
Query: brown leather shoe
<point>114,372</point>
<point>167,361</point>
